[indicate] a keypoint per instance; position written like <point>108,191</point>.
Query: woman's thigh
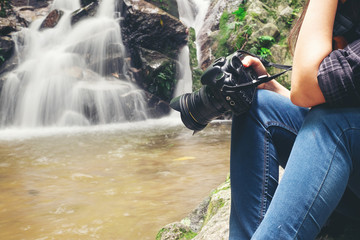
<point>324,161</point>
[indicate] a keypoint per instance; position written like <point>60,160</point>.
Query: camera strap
<point>260,79</point>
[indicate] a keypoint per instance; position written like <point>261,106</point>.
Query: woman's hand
<point>260,70</point>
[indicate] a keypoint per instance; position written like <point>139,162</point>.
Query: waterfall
<point>192,14</point>
<point>64,77</point>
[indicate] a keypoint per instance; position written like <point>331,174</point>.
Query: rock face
<point>169,6</point>
<point>232,25</point>
<point>153,39</point>
<point>52,19</point>
<point>209,221</point>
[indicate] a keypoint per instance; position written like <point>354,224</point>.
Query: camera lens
<point>197,109</point>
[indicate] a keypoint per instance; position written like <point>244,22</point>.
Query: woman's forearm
<point>313,45</point>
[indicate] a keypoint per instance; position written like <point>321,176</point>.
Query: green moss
<point>188,234</point>
<point>192,48</point>
<point>196,74</point>
<point>213,208</point>
<point>180,233</point>
<point>162,81</point>
<point>196,71</point>
<point>223,49</point>
<point>161,232</point>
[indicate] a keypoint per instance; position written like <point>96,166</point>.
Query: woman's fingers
<point>255,63</point>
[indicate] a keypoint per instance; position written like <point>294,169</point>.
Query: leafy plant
<point>263,46</point>
<point>266,41</point>
<point>240,14</point>
<point>4,7</point>
<point>264,52</point>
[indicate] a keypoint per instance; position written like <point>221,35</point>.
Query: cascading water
<point>60,80</point>
<point>192,14</point>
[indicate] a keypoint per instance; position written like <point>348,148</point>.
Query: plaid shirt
<point>339,76</point>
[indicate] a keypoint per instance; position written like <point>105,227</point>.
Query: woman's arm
<point>313,45</point>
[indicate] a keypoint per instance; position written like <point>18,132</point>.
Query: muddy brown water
<point>122,181</point>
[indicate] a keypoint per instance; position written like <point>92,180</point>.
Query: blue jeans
<point>320,151</point>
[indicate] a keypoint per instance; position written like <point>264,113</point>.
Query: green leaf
<point>240,14</point>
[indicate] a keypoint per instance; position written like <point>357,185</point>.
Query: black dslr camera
<point>228,86</point>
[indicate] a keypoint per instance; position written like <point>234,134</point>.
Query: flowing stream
<point>78,159</point>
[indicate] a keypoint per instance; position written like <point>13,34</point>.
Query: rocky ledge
<point>210,221</point>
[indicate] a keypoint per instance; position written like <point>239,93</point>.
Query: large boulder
<point>84,12</point>
<point>52,19</point>
<point>149,27</point>
<point>153,39</point>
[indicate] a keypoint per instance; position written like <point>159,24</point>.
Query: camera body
<point>213,99</point>
<point>227,86</point>
<point>230,72</point>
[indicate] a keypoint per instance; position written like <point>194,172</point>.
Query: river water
<point>120,181</point>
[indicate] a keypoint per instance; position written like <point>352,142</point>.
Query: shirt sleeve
<point>339,74</point>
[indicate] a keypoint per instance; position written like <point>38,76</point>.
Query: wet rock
<point>153,39</point>
<point>169,6</point>
<point>26,14</point>
<point>52,19</point>
<point>88,11</point>
<point>210,220</point>
<point>149,27</point>
<point>209,28</point>
<point>6,49</point>
<point>157,73</point>
<point>7,26</point>
<point>34,3</point>
<point>84,3</point>
<point>156,107</point>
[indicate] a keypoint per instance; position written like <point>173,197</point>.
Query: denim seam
<point>278,124</point>
<point>322,184</point>
<point>265,178</point>
<point>266,127</point>
<point>266,173</point>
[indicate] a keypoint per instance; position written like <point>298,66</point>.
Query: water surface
<point>121,181</point>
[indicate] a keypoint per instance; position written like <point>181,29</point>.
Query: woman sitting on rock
<point>313,131</point>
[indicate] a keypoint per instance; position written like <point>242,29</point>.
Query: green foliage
<point>240,14</point>
<point>162,81</point>
<point>4,7</point>
<point>266,40</point>
<point>264,52</point>
<point>223,36</point>
<point>183,234</point>
<point>196,75</point>
<point>196,71</point>
<point>232,36</point>
<point>262,46</point>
